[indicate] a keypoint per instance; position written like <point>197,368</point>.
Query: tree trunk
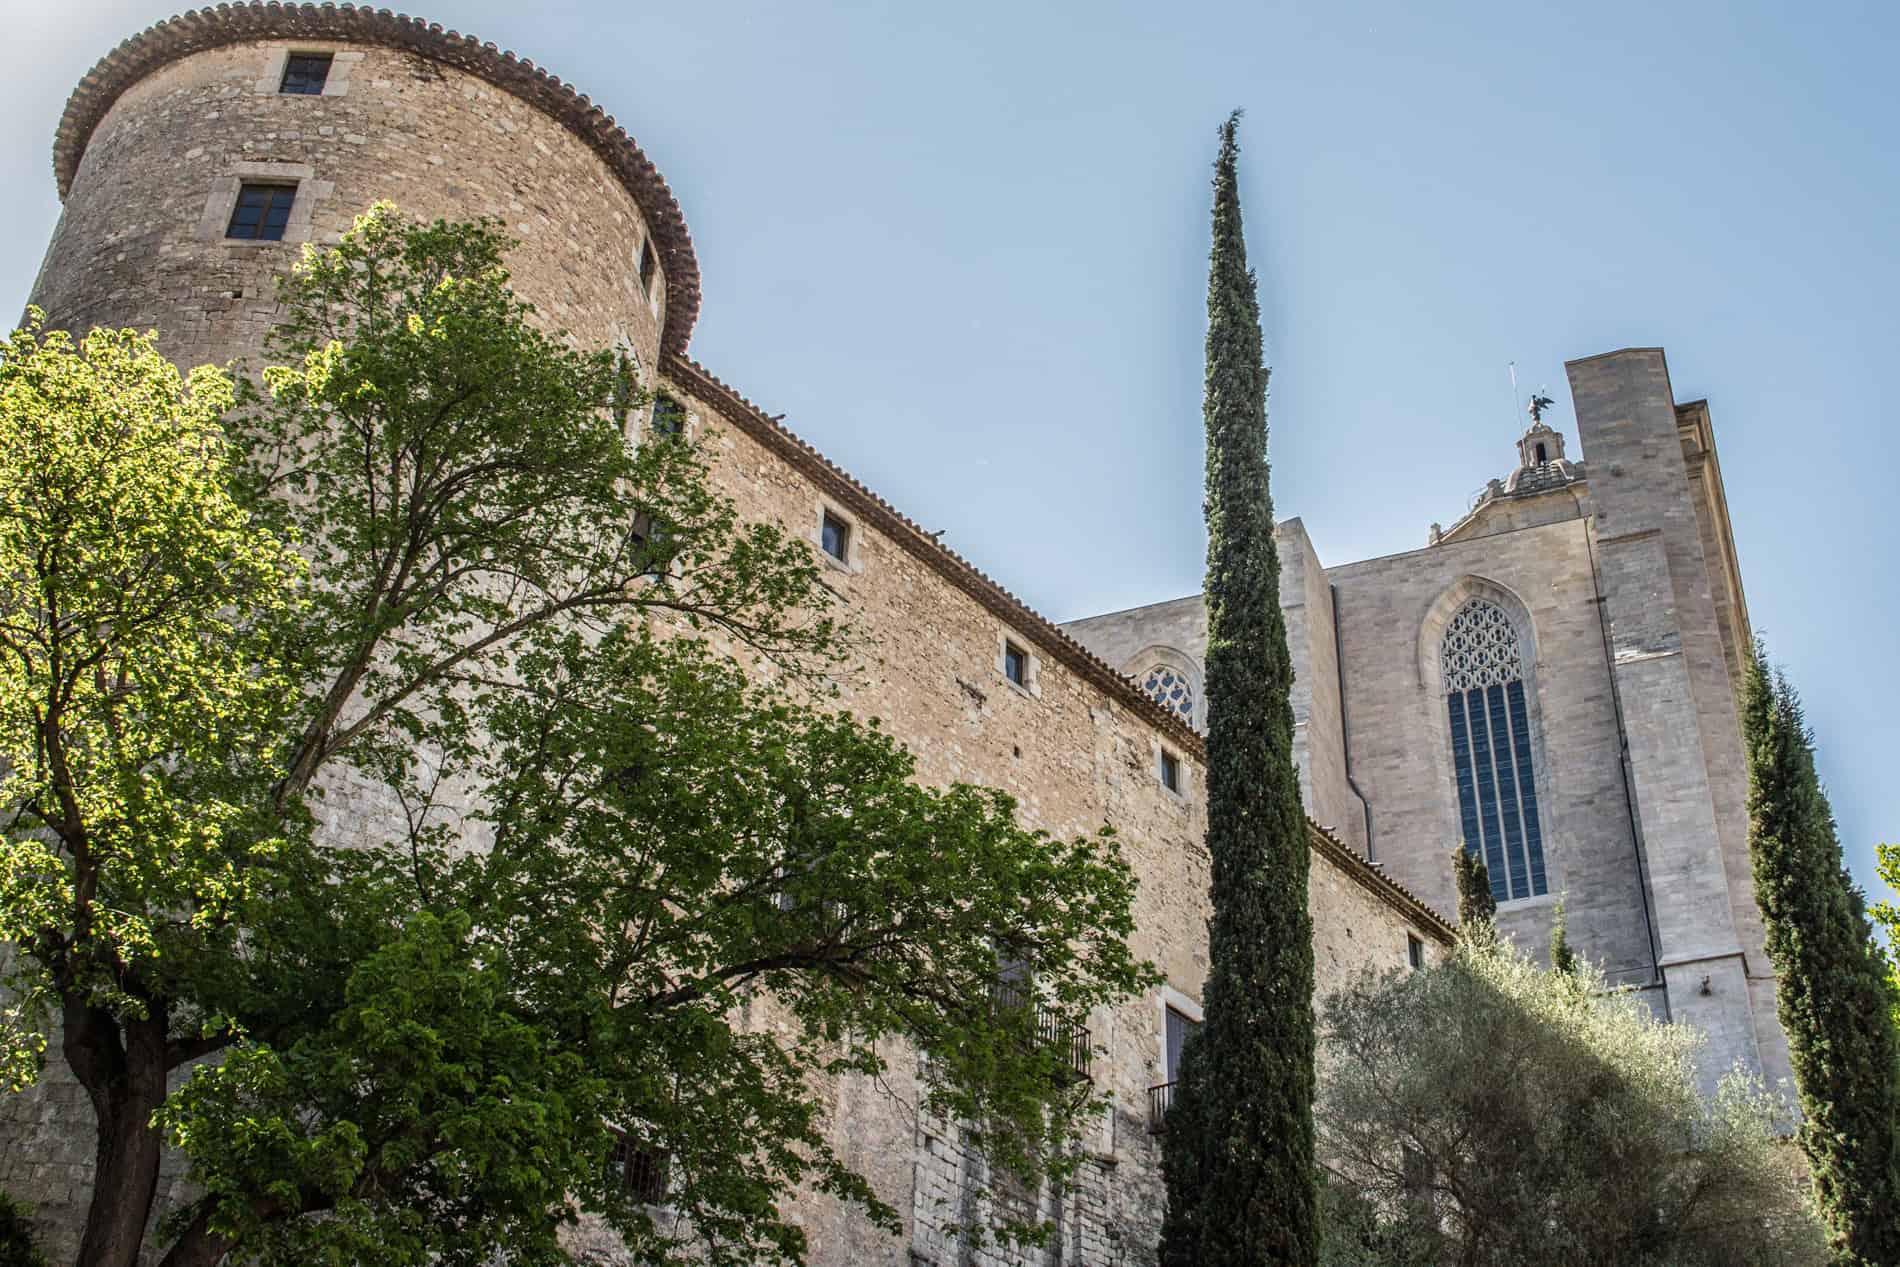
<point>198,1246</point>
<point>122,1067</point>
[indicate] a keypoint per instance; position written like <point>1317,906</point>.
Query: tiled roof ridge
<point>903,530</point>
<point>197,30</point>
<point>1384,887</point>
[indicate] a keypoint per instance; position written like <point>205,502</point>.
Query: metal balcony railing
<point>1160,1100</point>
<point>1051,1029</point>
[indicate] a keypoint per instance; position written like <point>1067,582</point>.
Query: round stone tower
<point>295,118</point>
<point>196,159</point>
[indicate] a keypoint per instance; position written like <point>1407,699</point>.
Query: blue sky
<point>963,249</point>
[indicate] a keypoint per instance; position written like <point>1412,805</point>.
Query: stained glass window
<point>1170,688</point>
<point>1491,748</point>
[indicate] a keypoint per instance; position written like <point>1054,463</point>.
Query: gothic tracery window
<point>1170,688</point>
<point>1491,748</point>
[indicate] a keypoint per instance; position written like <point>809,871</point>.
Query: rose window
<point>1170,688</point>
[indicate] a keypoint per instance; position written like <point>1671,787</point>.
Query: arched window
<point>1491,748</point>
<point>1170,688</point>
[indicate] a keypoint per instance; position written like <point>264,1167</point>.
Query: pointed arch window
<point>1491,748</point>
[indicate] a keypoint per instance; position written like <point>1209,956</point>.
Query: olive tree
<point>1484,1111</point>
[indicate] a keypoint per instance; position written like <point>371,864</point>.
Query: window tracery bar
<point>1170,688</point>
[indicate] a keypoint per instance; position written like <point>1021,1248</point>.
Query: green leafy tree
<point>143,695</point>
<point>1239,1157</point>
<point>1833,993</point>
<point>1477,906</point>
<point>632,904</point>
<point>1487,1113</point>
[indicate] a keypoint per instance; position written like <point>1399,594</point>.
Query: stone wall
<point>141,242</point>
<point>1390,611</point>
<point>1672,669</point>
<point>1319,724</point>
<point>1075,755</point>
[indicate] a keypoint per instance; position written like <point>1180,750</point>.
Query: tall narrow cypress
<point>1239,1146</point>
<point>1832,992</point>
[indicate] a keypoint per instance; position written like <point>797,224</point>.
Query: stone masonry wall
<point>1401,747</point>
<point>1319,725</point>
<point>1672,672</point>
<point>1075,758</point>
<point>141,239</point>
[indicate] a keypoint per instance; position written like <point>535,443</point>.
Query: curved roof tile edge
<point>906,532</point>
<point>197,30</point>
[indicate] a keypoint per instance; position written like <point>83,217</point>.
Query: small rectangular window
<point>305,73</point>
<point>835,535</point>
<point>641,1172</point>
<point>669,417</point>
<point>1016,664</point>
<point>1170,771</point>
<point>1414,951</point>
<point>647,263</point>
<point>1181,1027</point>
<point>261,212</point>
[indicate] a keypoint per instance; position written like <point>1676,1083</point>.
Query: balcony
<point>1160,1100</point>
<point>1050,1030</point>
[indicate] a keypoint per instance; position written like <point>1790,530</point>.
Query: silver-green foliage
<point>1485,1112</point>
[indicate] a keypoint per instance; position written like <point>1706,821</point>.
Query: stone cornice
<point>904,532</point>
<point>198,30</point>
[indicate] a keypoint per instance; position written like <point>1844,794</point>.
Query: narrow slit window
<point>305,74</point>
<point>1491,749</point>
<point>835,535</point>
<point>1414,951</point>
<point>1016,664</point>
<point>261,213</point>
<point>1170,771</point>
<point>647,265</point>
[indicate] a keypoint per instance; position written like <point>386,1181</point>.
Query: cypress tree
<point>1239,1159</point>
<point>1833,994</point>
<point>1476,905</point>
<point>1562,958</point>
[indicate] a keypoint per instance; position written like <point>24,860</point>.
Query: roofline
<point>199,30</point>
<point>1442,543</point>
<point>905,532</point>
<point>1603,356</point>
<point>1140,607</point>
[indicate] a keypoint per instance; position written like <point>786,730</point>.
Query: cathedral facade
<point>1550,680</point>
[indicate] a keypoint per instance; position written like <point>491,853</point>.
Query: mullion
<point>1507,791</point>
<point>1487,793</point>
<point>1527,786</point>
